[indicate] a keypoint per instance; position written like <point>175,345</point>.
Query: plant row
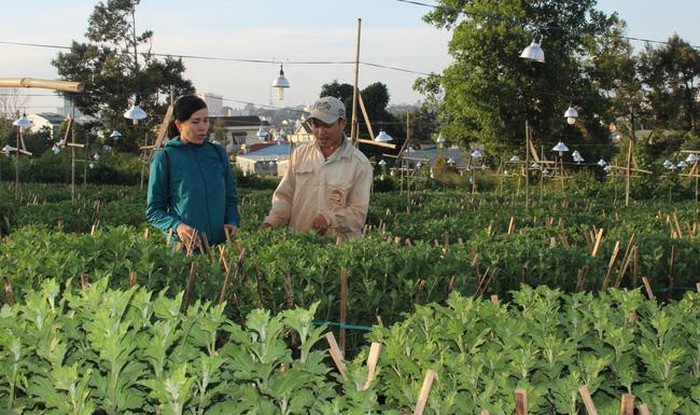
<point>98,350</point>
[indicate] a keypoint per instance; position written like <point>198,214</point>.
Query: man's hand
<point>319,224</point>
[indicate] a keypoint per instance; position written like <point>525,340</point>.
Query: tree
<point>489,92</point>
<point>376,98</point>
<point>670,75</point>
<point>117,72</point>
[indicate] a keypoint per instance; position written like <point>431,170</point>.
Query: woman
<point>191,188</point>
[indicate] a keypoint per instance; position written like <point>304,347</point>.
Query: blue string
<point>342,325</point>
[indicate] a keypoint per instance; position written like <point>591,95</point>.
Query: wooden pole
<point>627,404</point>
<point>343,306</point>
<point>424,392</point>
<point>520,402</point>
<point>527,164</point>
<point>647,286</point>
<point>643,409</point>
<point>372,360</point>
<point>587,401</point>
<point>598,239</point>
<point>67,86</point>
<point>336,355</point>
<point>353,125</point>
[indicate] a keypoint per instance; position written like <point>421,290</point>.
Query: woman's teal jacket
<point>192,184</point>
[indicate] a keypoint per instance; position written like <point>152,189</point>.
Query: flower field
<point>100,316</point>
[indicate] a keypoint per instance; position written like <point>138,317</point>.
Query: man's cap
<point>328,110</point>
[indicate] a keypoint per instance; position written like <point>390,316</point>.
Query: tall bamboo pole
<point>354,133</point>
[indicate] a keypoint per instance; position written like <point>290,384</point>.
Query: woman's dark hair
<point>183,109</point>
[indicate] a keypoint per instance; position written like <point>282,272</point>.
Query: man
<point>327,184</point>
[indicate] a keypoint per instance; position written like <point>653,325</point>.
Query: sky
<point>315,40</point>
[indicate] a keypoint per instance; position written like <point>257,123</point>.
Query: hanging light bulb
<point>281,83</point>
<point>571,115</point>
<point>534,51</point>
<point>383,137</point>
<point>135,113</point>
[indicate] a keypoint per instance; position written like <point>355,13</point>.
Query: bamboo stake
<point>625,264</point>
<point>627,404</point>
<point>258,282</point>
<point>132,278</point>
<point>446,247</point>
<point>336,355</point>
<point>419,293</point>
<point>678,226</point>
<point>671,272</point>
<point>494,299</point>
<point>9,294</point>
<point>647,286</point>
<point>485,412</point>
<point>643,409</point>
<point>424,392</point>
<point>84,282</point>
<point>189,287</point>
<point>580,281</point>
<point>598,240</point>
<point>372,360</point>
<point>635,273</point>
<point>344,273</point>
<point>520,402</point>
<point>452,284</point>
<point>611,264</point>
<point>227,267</point>
<point>586,396</point>
<point>511,225</point>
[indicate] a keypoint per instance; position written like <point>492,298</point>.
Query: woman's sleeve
<point>157,212</point>
<point>232,216</point>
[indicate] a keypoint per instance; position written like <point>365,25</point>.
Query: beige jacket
<point>338,188</point>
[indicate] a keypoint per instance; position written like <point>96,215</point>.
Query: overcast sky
<point>316,40</point>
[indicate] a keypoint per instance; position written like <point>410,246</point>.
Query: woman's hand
<point>186,233</point>
<point>231,231</point>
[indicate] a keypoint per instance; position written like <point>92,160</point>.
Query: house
<point>236,131</point>
<point>266,160</point>
<point>46,120</point>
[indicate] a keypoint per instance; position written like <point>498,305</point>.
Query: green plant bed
<point>93,349</point>
<point>548,343</point>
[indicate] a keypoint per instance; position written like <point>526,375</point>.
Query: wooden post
<point>424,392</point>
<point>586,396</point>
<point>598,239</point>
<point>9,294</point>
<point>581,280</point>
<point>511,225</point>
<point>643,409</point>
<point>336,355</point>
<point>520,402</point>
<point>343,306</point>
<point>671,272</point>
<point>189,287</point>
<point>611,264</point>
<point>647,286</point>
<point>355,91</point>
<point>132,278</point>
<point>627,404</point>
<point>372,360</point>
